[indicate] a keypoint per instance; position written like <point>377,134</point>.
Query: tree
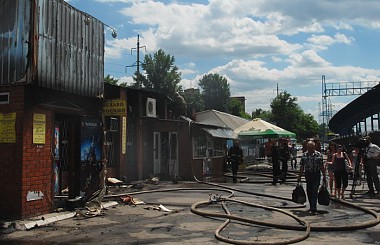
<point>161,75</point>
<point>110,80</point>
<point>235,107</point>
<point>193,100</point>
<point>289,115</point>
<point>114,81</point>
<point>215,92</point>
<point>260,113</point>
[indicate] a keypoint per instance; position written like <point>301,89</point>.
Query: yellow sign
<point>8,127</point>
<point>124,136</point>
<point>115,108</point>
<point>39,128</point>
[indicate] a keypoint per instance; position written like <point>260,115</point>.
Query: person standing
<point>293,155</point>
<point>312,164</point>
<point>340,173</point>
<point>235,156</point>
<point>284,157</point>
<point>329,167</point>
<point>357,164</point>
<point>372,158</point>
<point>275,163</point>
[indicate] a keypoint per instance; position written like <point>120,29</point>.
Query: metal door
<point>173,154</point>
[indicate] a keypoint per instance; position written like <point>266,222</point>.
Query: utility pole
<point>139,126</point>
<point>137,64</point>
<point>277,90</point>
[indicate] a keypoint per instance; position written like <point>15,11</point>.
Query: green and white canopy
<point>260,129</point>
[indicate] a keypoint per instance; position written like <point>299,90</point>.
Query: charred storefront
<point>51,79</point>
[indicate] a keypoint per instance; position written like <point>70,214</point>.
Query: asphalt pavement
<point>259,213</point>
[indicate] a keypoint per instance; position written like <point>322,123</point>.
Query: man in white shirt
<point>371,161</point>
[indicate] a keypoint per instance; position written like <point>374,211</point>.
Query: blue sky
<point>255,44</point>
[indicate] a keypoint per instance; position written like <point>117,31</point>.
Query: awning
<point>221,133</point>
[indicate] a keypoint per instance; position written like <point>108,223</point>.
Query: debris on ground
<point>127,199</point>
<point>159,208</point>
<point>153,180</point>
<point>114,181</point>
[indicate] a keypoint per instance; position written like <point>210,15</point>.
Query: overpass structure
<point>359,116</point>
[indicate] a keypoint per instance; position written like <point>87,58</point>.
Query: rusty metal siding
<point>68,50</point>
<point>14,39</point>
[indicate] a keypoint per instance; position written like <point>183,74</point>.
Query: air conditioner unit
<point>151,107</point>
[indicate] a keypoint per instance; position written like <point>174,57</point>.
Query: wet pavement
<point>149,223</point>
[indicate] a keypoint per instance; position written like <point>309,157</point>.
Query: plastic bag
<point>324,195</point>
<point>299,195</point>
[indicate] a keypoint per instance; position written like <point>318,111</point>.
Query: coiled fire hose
<point>303,225</point>
<point>356,226</point>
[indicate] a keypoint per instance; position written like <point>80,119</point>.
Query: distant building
<point>241,99</point>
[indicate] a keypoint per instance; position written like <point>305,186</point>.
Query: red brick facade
<point>26,168</point>
<point>37,166</point>
<point>11,156</point>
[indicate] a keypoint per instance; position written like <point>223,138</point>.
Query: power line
<point>137,63</point>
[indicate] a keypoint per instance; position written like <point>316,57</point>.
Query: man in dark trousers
<point>312,164</point>
<point>235,156</point>
<point>284,157</point>
<point>371,160</point>
<point>276,163</point>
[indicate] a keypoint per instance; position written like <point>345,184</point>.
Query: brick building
<point>50,81</point>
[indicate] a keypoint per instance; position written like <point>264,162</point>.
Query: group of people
<point>338,164</point>
<point>312,165</point>
<point>280,155</point>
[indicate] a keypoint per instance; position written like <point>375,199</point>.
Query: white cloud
<point>255,44</point>
<point>322,42</point>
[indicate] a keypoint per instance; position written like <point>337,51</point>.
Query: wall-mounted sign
<point>39,128</point>
<point>124,135</point>
<point>115,108</point>
<point>8,127</point>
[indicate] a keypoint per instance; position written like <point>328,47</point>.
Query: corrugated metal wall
<point>14,39</point>
<point>69,51</point>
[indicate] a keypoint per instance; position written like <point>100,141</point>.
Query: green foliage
<point>245,115</point>
<point>260,113</point>
<point>288,115</point>
<point>215,91</point>
<point>161,75</point>
<point>235,107</point>
<point>110,80</point>
<point>194,100</point>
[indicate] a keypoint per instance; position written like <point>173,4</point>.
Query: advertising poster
<point>91,141</point>
<point>91,154</point>
<point>56,158</point>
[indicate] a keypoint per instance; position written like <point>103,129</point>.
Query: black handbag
<point>299,195</point>
<point>324,195</point>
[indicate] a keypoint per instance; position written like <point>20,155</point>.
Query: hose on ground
<point>305,225</point>
<point>356,226</point>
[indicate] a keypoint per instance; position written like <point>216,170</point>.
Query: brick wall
<point>25,168</point>
<point>37,167</point>
<point>11,157</point>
